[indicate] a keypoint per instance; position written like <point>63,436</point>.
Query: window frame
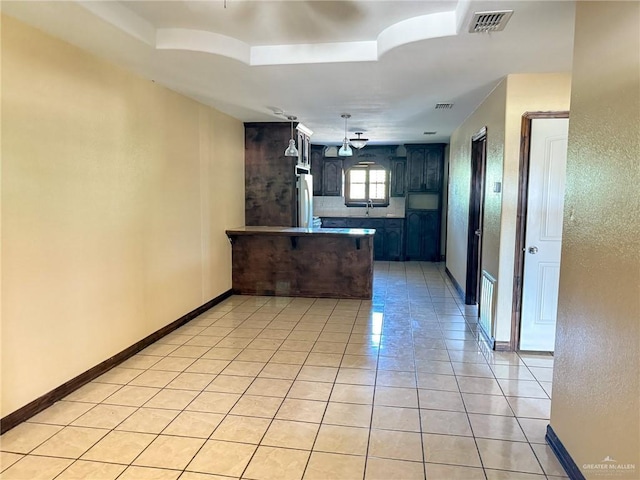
<point>363,203</point>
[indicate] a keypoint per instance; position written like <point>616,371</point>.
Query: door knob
<point>478,233</point>
<point>533,250</point>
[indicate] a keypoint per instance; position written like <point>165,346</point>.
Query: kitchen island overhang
<point>302,262</point>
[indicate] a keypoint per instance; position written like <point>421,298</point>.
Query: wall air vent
<point>444,106</point>
<point>483,22</point>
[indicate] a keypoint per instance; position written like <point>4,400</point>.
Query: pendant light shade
<point>345,149</point>
<point>291,150</point>
<point>358,142</point>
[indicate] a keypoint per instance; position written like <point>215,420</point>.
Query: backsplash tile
<point>335,207</point>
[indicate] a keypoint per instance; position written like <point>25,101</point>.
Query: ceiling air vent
<point>444,106</point>
<point>483,22</point>
<point>430,133</point>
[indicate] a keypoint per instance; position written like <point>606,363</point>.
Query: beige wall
<point>502,114</point>
<point>525,93</point>
<point>115,196</point>
<point>490,114</point>
<point>595,409</point>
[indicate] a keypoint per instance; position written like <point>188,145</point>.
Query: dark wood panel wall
<point>270,188</point>
<point>318,266</point>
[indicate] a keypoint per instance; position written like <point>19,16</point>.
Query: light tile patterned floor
<point>279,388</point>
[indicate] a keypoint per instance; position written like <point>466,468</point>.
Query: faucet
<point>369,205</point>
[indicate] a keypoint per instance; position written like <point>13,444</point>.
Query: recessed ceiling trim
<point>462,10</point>
<point>122,18</point>
<point>202,41</point>
<point>314,53</point>
<point>424,27</point>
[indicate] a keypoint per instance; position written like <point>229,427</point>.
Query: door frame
<point>476,214</point>
<point>521,218</point>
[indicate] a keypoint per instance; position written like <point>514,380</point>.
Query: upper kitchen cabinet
<point>398,177</point>
<point>270,178</point>
<point>316,168</point>
<point>304,145</point>
<point>425,164</point>
<point>326,171</point>
<point>332,177</point>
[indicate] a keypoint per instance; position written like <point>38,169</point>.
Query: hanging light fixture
<point>291,150</point>
<point>345,149</point>
<point>358,142</point>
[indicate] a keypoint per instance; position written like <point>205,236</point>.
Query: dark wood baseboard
<point>562,455</point>
<point>455,284</point>
<point>48,399</point>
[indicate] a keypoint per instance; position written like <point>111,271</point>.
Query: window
<point>364,184</point>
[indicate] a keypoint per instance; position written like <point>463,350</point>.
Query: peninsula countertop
<point>301,232</point>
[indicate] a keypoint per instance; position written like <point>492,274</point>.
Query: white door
<point>543,242</point>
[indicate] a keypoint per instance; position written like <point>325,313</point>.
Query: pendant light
<point>345,149</point>
<point>358,142</point>
<point>291,150</point>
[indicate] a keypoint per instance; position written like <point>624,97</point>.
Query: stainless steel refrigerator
<point>305,200</point>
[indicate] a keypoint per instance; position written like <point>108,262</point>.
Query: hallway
<point>287,388</point>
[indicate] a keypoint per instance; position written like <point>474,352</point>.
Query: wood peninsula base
<point>301,262</point>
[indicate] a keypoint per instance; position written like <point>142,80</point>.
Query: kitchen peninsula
<point>302,262</point>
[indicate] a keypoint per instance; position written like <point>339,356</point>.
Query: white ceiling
<point>387,63</point>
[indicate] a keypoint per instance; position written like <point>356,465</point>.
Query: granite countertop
<point>302,232</point>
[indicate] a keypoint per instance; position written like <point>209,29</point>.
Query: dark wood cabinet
<point>425,164</point>
<point>378,238</point>
<point>423,235</point>
<point>304,145</point>
<point>334,222</point>
<point>393,239</point>
<point>332,177</point>
<point>378,244</point>
<point>316,168</point>
<point>398,174</point>
<point>388,240</point>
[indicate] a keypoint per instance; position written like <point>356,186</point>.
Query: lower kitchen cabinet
<point>337,222</point>
<point>423,235</point>
<point>393,239</point>
<point>388,240</point>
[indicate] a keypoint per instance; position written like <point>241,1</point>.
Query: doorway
<point>539,230</point>
<point>476,203</point>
